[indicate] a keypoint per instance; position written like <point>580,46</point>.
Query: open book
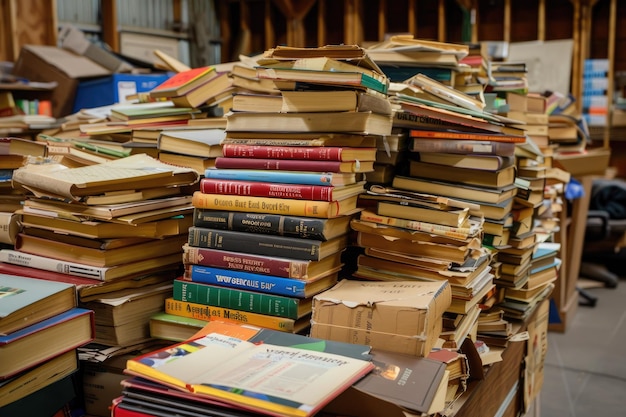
<point>276,380</point>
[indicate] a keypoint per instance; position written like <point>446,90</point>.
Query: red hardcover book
<point>183,82</point>
<point>271,189</point>
<point>319,153</point>
<point>293,165</point>
<point>449,134</point>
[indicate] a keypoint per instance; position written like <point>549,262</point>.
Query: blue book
<point>44,340</point>
<point>269,284</point>
<point>284,177</point>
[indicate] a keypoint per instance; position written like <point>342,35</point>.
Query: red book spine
<point>320,153</point>
<point>267,189</point>
<point>277,164</point>
<point>239,261</point>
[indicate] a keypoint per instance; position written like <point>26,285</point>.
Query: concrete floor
<point>585,367</point>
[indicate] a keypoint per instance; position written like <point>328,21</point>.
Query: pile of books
<point>271,220</point>
<point>41,328</point>
<point>110,230</point>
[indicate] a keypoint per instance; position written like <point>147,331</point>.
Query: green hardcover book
<point>250,301</point>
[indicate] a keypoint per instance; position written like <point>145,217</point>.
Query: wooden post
<point>441,31</point>
<point>9,45</point>
<point>541,20</point>
<point>412,22</point>
<point>506,35</point>
<point>110,24</point>
<point>321,22</point>
<point>576,86</point>
<point>270,35</point>
<point>606,143</point>
<point>382,21</point>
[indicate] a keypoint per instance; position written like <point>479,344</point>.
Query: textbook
<point>27,301</point>
<point>277,380</point>
<point>201,142</point>
<point>267,284</point>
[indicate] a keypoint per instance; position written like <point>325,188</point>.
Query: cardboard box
<point>113,89</point>
<point>52,64</point>
<point>101,383</point>
<point>403,316</point>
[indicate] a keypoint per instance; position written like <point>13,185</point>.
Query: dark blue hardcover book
<point>269,284</point>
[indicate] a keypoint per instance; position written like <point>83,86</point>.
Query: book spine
<point>321,178</point>
<point>249,301</point>
<point>286,268</point>
<point>284,206</point>
<point>436,229</point>
<point>54,265</point>
<point>277,164</point>
<point>204,312</point>
<point>320,153</point>
<point>460,146</point>
<point>266,189</point>
<point>426,134</point>
<point>267,284</point>
<point>279,246</point>
<point>272,224</point>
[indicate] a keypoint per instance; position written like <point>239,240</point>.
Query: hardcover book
<point>212,366</point>
<point>326,179</point>
<point>237,299</point>
<point>210,313</point>
<point>281,246</point>
<point>267,284</point>
<point>259,264</point>
<point>200,142</point>
<point>26,301</point>
<point>183,82</point>
<point>490,179</point>
<point>271,205</point>
<point>280,190</point>
<point>130,173</point>
<point>319,153</point>
<point>44,340</point>
<point>295,164</point>
<point>273,224</point>
<point>341,122</point>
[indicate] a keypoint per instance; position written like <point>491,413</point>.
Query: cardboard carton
<point>402,316</point>
<point>52,64</point>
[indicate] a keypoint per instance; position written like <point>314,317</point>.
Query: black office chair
<point>603,259</point>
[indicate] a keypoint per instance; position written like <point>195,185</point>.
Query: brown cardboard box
<point>52,64</point>
<point>403,316</point>
<point>101,383</point>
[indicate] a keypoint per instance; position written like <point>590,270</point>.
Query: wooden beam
<point>506,35</point>
<point>223,15</point>
<point>441,25</point>
<point>268,25</point>
<point>412,21</point>
<point>110,30</point>
<point>321,23</point>
<point>294,12</point>
<point>382,20</point>
<point>9,45</point>
<point>541,20</point>
<point>576,86</point>
<point>606,143</point>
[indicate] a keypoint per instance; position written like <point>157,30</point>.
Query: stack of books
<point>191,148</point>
<point>402,56</point>
<point>41,328</point>
<point>233,370</point>
<point>108,225</point>
<point>271,220</point>
<point>543,264</point>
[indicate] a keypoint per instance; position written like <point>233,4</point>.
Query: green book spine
<point>250,301</point>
